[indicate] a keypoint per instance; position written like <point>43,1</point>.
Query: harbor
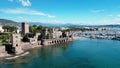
<point>104,34</point>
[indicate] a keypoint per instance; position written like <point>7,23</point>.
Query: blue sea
<point>81,53</point>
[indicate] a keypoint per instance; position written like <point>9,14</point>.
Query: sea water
<point>81,53</point>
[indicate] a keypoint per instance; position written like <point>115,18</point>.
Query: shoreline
<point>26,48</point>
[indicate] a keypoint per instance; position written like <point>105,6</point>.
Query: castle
<point>38,40</point>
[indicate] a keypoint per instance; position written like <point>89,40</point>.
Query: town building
<point>56,33</point>
<point>1,29</point>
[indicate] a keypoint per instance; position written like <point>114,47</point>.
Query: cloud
<point>10,0</point>
<point>54,21</point>
<point>20,17</point>
<point>97,11</point>
<point>118,15</point>
<point>110,15</point>
<point>25,2</point>
<point>111,21</point>
<point>26,11</point>
<point>114,19</point>
<point>51,16</point>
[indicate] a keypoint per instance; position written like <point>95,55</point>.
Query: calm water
<point>83,53</point>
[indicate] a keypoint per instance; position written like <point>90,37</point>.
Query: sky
<point>84,12</point>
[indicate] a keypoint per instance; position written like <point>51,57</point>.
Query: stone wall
<point>3,52</point>
<point>28,45</point>
<point>16,42</point>
<point>47,42</point>
<point>2,49</point>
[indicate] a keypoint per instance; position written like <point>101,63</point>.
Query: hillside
<point>72,25</point>
<point>13,23</point>
<point>8,22</point>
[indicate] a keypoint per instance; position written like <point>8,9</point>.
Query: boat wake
<point>14,57</point>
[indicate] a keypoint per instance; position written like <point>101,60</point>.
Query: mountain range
<point>8,22</point>
<point>13,23</point>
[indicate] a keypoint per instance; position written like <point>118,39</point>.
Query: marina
<point>105,34</point>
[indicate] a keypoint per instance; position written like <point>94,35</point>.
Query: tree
<point>35,29</point>
<point>7,27</point>
<point>39,29</point>
<point>25,38</point>
<point>10,28</point>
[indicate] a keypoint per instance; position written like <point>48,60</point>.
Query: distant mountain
<point>72,25</point>
<point>55,25</point>
<point>113,25</point>
<point>8,22</point>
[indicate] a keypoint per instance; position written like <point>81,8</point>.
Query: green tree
<point>25,38</point>
<point>10,28</point>
<point>39,29</point>
<point>35,29</point>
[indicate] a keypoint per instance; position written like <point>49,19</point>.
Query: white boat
<point>14,57</point>
<point>24,54</point>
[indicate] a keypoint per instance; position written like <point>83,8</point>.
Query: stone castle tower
<point>25,28</point>
<point>16,43</point>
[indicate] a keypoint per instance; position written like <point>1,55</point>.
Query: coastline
<point>25,47</point>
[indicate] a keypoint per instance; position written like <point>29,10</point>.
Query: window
<point>17,45</point>
<point>16,36</point>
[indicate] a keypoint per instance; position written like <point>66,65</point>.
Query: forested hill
<point>8,22</point>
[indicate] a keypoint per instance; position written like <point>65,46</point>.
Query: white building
<point>56,33</point>
<point>1,29</point>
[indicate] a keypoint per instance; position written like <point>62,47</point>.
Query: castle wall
<point>29,45</point>
<point>2,49</point>
<point>3,52</point>
<point>16,42</point>
<point>47,42</point>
